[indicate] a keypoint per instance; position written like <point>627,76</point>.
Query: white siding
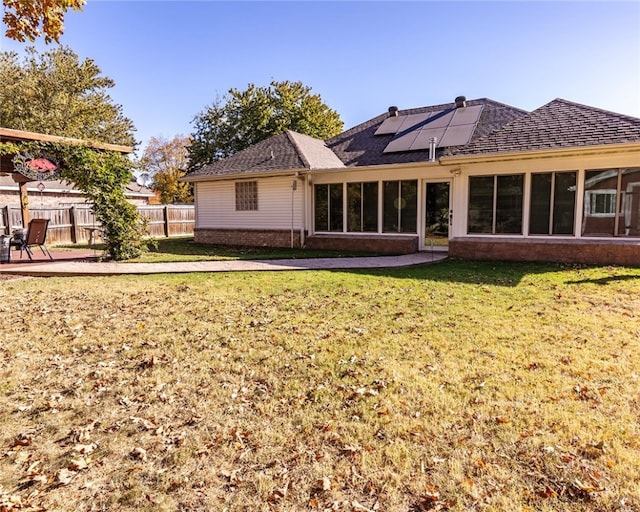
<point>216,206</point>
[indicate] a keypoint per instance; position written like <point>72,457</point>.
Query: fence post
<point>73,222</point>
<point>6,224</point>
<point>166,221</point>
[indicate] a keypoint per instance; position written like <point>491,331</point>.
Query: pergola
<point>38,168</point>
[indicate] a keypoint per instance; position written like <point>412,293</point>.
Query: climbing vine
<point>102,176</point>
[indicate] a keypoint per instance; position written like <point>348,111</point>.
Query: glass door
<point>437,213</point>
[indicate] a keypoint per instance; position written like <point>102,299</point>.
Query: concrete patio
<point>85,263</point>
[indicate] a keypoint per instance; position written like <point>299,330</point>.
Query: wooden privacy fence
<point>77,224</point>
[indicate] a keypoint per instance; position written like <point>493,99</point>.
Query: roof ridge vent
<point>461,102</point>
<point>393,111</point>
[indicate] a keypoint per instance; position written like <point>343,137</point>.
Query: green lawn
<point>454,386</point>
<point>165,250</point>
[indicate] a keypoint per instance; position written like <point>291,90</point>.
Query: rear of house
<point>561,183</point>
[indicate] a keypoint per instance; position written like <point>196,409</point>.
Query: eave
<point>606,149</point>
<point>243,175</point>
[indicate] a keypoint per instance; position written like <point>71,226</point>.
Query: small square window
<point>246,195</point>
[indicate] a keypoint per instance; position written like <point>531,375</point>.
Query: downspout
<point>294,187</point>
<point>305,185</point>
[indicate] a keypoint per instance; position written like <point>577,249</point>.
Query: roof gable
<point>313,152</point>
<point>286,151</point>
<point>556,125</point>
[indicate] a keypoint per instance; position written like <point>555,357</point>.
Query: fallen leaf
<point>138,454</point>
<point>65,476</point>
<point>85,449</point>
<point>79,464</point>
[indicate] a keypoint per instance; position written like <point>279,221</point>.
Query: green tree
<point>101,175</point>
<point>29,19</point>
<point>243,118</point>
<point>57,94</point>
<point>166,162</point>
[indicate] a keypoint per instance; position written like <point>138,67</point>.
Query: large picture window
<point>553,203</point>
<point>611,202</point>
<point>246,195</point>
<point>362,207</point>
<point>400,206</point>
<point>495,204</point>
<point>328,207</point>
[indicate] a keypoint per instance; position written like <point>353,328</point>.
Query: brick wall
<point>247,237</point>
<point>606,252</point>
<point>369,243</point>
<point>282,238</point>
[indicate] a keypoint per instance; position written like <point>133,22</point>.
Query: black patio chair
<point>36,235</point>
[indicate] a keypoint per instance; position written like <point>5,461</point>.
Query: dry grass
<point>457,386</point>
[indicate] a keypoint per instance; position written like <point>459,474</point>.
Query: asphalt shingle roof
<point>556,125</point>
<point>500,129</point>
<point>359,146</point>
<point>286,151</point>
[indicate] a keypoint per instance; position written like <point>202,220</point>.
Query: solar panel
<point>424,137</point>
<point>390,125</point>
<point>468,115</point>
<point>393,125</point>
<point>456,135</point>
<point>402,143</point>
<point>450,128</point>
<point>440,122</point>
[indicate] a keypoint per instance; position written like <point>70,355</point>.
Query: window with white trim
<point>495,204</point>
<point>328,207</point>
<point>246,195</point>
<point>601,203</point>
<point>552,203</point>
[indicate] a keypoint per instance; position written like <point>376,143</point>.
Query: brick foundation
<point>367,243</point>
<point>282,238</point>
<point>599,252</point>
<point>246,237</point>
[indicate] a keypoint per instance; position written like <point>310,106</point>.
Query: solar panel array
<point>452,127</point>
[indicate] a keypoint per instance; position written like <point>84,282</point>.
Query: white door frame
<point>424,243</point>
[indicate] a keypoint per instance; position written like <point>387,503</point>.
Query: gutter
<point>541,154</point>
<point>244,175</point>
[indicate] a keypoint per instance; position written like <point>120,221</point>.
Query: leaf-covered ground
<point>457,386</point>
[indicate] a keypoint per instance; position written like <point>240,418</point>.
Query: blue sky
<point>171,59</point>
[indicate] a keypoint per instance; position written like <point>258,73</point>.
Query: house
<point>54,193</point>
<point>560,183</point>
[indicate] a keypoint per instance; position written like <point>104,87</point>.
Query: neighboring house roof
<point>556,125</point>
<point>360,146</point>
<point>7,184</point>
<point>286,151</point>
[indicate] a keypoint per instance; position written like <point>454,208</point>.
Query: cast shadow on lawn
<point>498,273</point>
<point>607,280</point>
<point>494,273</point>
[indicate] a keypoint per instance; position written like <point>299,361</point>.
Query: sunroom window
<point>611,202</point>
<point>328,207</point>
<point>400,206</point>
<point>362,207</point>
<point>495,204</point>
<point>553,203</point>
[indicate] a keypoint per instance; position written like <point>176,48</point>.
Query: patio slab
<point>96,268</point>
